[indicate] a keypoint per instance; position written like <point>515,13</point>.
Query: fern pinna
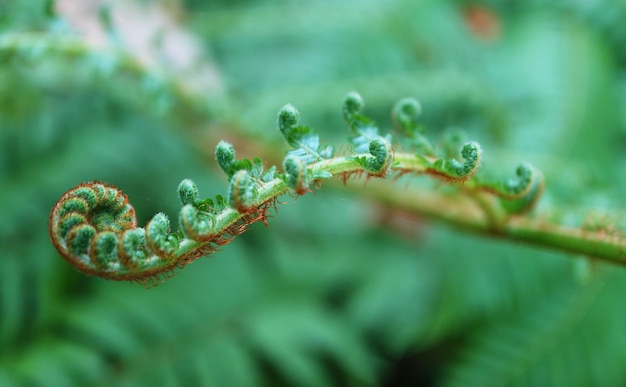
<point>94,227</point>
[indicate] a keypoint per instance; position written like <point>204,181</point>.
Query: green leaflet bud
<point>472,153</point>
<point>382,154</point>
<point>133,248</point>
<point>296,175</point>
<point>87,194</point>
<point>187,192</point>
<point>520,193</point>
<point>225,155</point>
<point>158,236</point>
<point>112,200</point>
<point>405,114</point>
<point>288,117</point>
<point>303,139</point>
<point>99,191</point>
<point>104,249</point>
<point>195,224</point>
<point>76,204</point>
<point>79,239</point>
<point>352,106</point>
<point>520,185</point>
<point>68,222</point>
<point>523,193</point>
<point>242,191</point>
<point>523,181</point>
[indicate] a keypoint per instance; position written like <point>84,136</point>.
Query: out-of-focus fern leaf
<point>563,103</point>
<point>32,15</point>
<point>570,336</point>
<point>295,337</point>
<point>444,291</point>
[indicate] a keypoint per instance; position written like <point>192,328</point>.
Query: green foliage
<point>347,286</point>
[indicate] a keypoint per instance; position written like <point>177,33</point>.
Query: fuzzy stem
<point>94,227</point>
<point>465,213</point>
<point>457,210</point>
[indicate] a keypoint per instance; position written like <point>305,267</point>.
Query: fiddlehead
<point>94,227</point>
<point>522,193</point>
<point>158,237</point>
<point>455,171</point>
<point>382,156</point>
<point>196,224</point>
<point>518,194</point>
<point>297,175</point>
<point>242,191</point>
<point>225,156</point>
<point>367,138</point>
<point>523,182</point>
<point>303,139</point>
<point>188,192</point>
<point>405,115</point>
<point>526,178</point>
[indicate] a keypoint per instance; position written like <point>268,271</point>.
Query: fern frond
<point>94,227</point>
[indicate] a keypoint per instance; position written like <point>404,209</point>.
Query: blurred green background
<point>338,290</point>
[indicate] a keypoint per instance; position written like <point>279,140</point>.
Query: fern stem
<point>465,213</point>
<point>94,227</point>
<point>459,211</point>
<point>610,248</point>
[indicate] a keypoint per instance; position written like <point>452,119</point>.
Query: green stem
<point>465,213</point>
<point>610,248</point>
<point>459,210</point>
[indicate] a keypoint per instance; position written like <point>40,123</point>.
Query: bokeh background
<point>339,290</point>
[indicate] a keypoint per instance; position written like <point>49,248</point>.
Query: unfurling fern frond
<point>94,227</point>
